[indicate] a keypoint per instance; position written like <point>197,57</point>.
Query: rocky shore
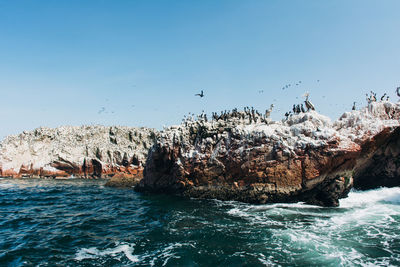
<point>305,157</point>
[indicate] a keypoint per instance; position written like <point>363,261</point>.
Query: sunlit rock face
<point>304,158</point>
<point>85,151</point>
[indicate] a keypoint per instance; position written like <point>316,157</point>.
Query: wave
<point>94,253</point>
<point>152,258</point>
<point>362,198</point>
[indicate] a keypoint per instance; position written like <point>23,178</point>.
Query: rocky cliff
<point>86,151</point>
<point>246,157</point>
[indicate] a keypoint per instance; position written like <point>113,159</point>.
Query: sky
<point>140,63</point>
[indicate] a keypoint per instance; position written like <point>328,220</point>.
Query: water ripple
<point>81,223</point>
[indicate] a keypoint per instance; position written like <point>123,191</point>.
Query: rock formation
<point>238,155</point>
<point>86,151</point>
<point>304,158</point>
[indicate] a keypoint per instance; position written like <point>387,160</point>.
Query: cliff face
<point>305,158</point>
<point>381,166</point>
<point>86,151</point>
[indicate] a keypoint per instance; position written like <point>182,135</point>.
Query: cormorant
<point>302,108</point>
<point>201,94</point>
<point>398,91</point>
<point>298,110</point>
<point>383,97</point>
<point>354,106</point>
<point>373,97</point>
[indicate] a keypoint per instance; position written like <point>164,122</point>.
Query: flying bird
<point>201,94</point>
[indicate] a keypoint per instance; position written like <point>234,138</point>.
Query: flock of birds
<point>249,114</point>
<point>299,108</point>
<point>254,115</point>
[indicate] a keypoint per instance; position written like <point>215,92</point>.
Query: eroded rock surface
<point>305,158</point>
<point>85,151</point>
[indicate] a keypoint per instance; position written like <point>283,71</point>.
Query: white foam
<point>362,198</point>
<point>6,185</point>
<point>93,253</point>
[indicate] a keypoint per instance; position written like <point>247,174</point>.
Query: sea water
<point>82,223</point>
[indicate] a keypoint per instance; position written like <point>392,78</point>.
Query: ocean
<point>82,223</point>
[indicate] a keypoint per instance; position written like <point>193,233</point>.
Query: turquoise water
<point>82,223</point>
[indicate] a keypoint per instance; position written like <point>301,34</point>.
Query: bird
<point>260,91</point>
<point>201,94</point>
<point>268,112</point>
<point>101,110</point>
<point>398,91</point>
<point>302,108</point>
<point>354,106</point>
<point>309,105</point>
<point>383,97</point>
<point>298,110</point>
<point>373,96</point>
<point>368,98</point>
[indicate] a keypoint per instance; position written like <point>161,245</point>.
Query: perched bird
<point>383,97</point>
<point>354,106</point>
<point>309,105</point>
<point>201,94</point>
<point>373,96</point>
<point>302,108</point>
<point>368,98</point>
<point>398,91</point>
<point>298,110</point>
<point>268,112</point>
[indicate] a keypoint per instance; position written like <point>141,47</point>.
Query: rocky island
<point>249,158</point>
<point>238,155</point>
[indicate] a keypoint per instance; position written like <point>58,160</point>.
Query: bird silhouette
<point>201,94</point>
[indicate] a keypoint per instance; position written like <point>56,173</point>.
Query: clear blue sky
<point>62,61</point>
